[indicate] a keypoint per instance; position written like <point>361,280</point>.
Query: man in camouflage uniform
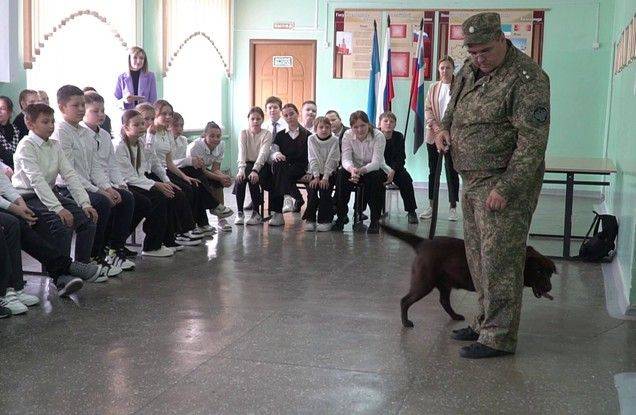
<point>497,127</point>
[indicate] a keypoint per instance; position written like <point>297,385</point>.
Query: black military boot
<point>481,351</point>
<point>465,334</point>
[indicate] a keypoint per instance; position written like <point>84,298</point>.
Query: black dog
<point>441,263</point>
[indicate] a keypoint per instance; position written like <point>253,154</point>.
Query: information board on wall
<point>353,37</point>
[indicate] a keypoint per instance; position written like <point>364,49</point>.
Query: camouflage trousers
<point>496,252</point>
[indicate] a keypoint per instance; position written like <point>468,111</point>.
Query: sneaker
<point>359,227</point>
<point>206,229</point>
<point>452,214</point>
<point>255,219</point>
<point>310,226</point>
<point>194,235</point>
<point>129,252</point>
<point>26,299</point>
<point>107,269</point>
<point>118,259</point>
<point>163,251</point>
<point>185,240</point>
<point>338,225</point>
<point>427,214</point>
<point>87,272</point>
<point>174,247</point>
<point>222,211</point>
<point>323,227</point>
<point>412,217</point>
<point>277,219</point>
<point>374,227</point>
<point>224,226</point>
<point>288,204</point>
<point>5,312</point>
<point>67,285</point>
<point>10,301</point>
<point>240,218</point>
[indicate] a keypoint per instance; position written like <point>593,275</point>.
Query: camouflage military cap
<point>481,28</point>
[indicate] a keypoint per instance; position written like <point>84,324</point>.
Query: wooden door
<point>284,68</point>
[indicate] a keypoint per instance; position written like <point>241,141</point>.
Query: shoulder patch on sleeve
<point>541,114</point>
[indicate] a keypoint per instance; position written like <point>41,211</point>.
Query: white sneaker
<point>10,301</point>
<point>288,204</point>
<point>205,229</point>
<point>452,214</point>
<point>323,227</point>
<point>106,271</point>
<point>427,214</point>
<point>255,219</point>
<point>222,211</point>
<point>26,299</point>
<point>118,259</point>
<point>310,226</point>
<point>277,219</point>
<point>240,218</point>
<point>161,252</point>
<point>224,226</point>
<point>185,240</point>
<point>194,235</point>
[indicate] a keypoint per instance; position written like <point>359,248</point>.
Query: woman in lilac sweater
<point>138,84</point>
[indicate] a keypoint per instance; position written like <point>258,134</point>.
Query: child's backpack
<point>600,247</point>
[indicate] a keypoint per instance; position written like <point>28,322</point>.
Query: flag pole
<point>412,91</point>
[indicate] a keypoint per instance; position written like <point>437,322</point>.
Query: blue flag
<point>374,76</point>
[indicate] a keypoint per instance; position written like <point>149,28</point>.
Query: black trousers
<point>255,189</point>
<point>320,200</point>
<point>179,212</point>
<point>372,185</point>
<point>153,206</point>
<point>452,178</point>
<point>281,180</point>
<point>204,196</point>
<point>15,236</point>
<point>403,180</point>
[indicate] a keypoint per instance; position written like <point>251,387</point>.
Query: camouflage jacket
<point>501,121</point>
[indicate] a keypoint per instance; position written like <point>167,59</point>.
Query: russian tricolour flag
<point>417,94</point>
<point>374,75</point>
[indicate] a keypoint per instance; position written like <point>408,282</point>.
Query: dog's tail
<point>409,238</point>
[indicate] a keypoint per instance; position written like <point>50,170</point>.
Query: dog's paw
<point>408,324</point>
<point>458,317</point>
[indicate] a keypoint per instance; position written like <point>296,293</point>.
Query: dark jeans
<point>151,205</point>
<point>281,180</point>
<point>204,198</point>
<point>180,219</point>
<point>320,200</point>
<point>255,189</point>
<point>372,185</point>
<point>403,180</point>
<point>452,178</point>
<point>16,235</point>
<point>50,226</point>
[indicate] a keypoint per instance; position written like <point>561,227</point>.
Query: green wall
<point>621,148</point>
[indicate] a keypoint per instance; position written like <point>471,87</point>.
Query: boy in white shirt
<point>80,148</point>
<point>38,161</point>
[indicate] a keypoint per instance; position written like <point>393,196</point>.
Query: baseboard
<point>616,293</point>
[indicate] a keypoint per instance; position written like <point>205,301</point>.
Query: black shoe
<point>465,334</point>
<point>67,285</point>
<point>338,226</point>
<point>297,205</point>
<point>129,252</point>
<point>374,227</point>
<point>359,227</point>
<point>481,351</point>
<point>412,217</point>
<point>249,207</point>
<point>364,217</point>
<point>5,312</point>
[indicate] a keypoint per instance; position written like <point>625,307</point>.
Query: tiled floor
<point>281,321</point>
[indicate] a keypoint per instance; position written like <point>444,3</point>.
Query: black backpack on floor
<point>600,247</point>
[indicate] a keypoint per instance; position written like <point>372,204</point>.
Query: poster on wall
<point>405,27</point>
<point>516,25</point>
<point>352,40</point>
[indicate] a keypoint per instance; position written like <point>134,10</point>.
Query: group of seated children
<point>70,178</point>
<point>326,156</point>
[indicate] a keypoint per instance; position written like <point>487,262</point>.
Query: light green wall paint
<point>621,148</point>
<point>578,73</point>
